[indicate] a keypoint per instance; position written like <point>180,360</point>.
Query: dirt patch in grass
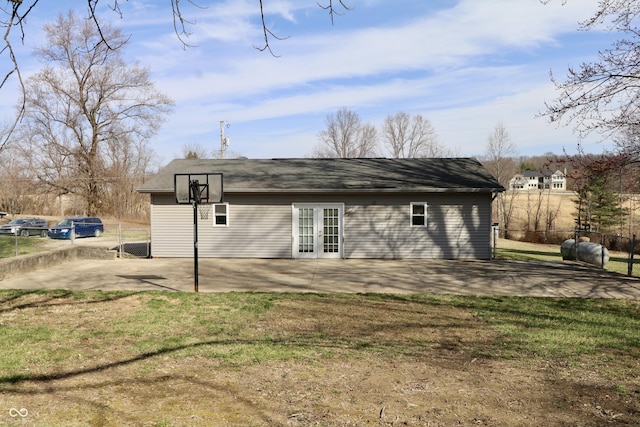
<point>291,360</point>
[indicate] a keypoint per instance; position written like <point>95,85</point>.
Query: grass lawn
<point>263,359</point>
<point>26,245</point>
<point>524,251</point>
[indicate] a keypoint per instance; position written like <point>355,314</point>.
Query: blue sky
<point>465,65</point>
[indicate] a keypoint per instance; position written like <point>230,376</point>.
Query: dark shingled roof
<point>537,174</point>
<point>334,175</point>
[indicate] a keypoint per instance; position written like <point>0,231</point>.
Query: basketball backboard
<point>199,187</point>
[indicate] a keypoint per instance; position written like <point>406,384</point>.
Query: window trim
<point>412,215</point>
<point>226,214</point>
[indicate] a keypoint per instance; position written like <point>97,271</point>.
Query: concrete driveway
<point>540,279</point>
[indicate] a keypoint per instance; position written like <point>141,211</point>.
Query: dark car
<point>25,227</point>
<point>70,228</point>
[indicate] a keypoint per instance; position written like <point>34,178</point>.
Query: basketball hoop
<point>201,190</point>
<point>204,209</point>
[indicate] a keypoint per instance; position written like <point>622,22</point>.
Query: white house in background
<point>535,180</point>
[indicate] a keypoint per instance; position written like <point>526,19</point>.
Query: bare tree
<point>604,95</point>
<point>195,151</point>
<point>407,136</point>
<point>129,163</point>
<point>85,103</point>
<point>500,151</point>
<point>14,19</point>
<point>15,185</point>
<point>552,212</point>
<point>6,128</point>
<point>534,210</point>
<point>346,137</point>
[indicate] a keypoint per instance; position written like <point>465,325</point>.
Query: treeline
<point>81,146</point>
<point>604,186</point>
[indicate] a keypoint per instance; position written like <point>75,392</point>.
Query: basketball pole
<point>195,190</point>
<point>197,193</point>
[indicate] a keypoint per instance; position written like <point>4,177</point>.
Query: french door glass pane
<point>330,231</point>
<point>305,230</point>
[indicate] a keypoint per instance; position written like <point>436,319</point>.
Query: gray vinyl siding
<point>257,229</point>
<point>254,231</point>
<point>375,226</point>
<point>171,230</point>
<point>458,226</point>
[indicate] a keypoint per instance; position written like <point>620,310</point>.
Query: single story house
<point>330,208</point>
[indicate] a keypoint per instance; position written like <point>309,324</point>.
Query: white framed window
<point>221,214</point>
<point>418,214</point>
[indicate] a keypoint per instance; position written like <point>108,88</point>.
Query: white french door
<point>317,231</point>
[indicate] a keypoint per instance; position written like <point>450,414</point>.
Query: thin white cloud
<point>465,66</point>
<point>458,37</point>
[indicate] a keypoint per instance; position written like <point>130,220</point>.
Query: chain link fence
<point>12,245</point>
<point>624,251</point>
<point>128,240</point>
<point>134,242</point>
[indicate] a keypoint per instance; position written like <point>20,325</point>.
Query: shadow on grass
<point>395,331</point>
<point>55,298</point>
<point>636,259</point>
<point>425,328</point>
<point>302,341</point>
<point>616,263</point>
<point>527,255</point>
<point>607,324</point>
<point>14,379</point>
